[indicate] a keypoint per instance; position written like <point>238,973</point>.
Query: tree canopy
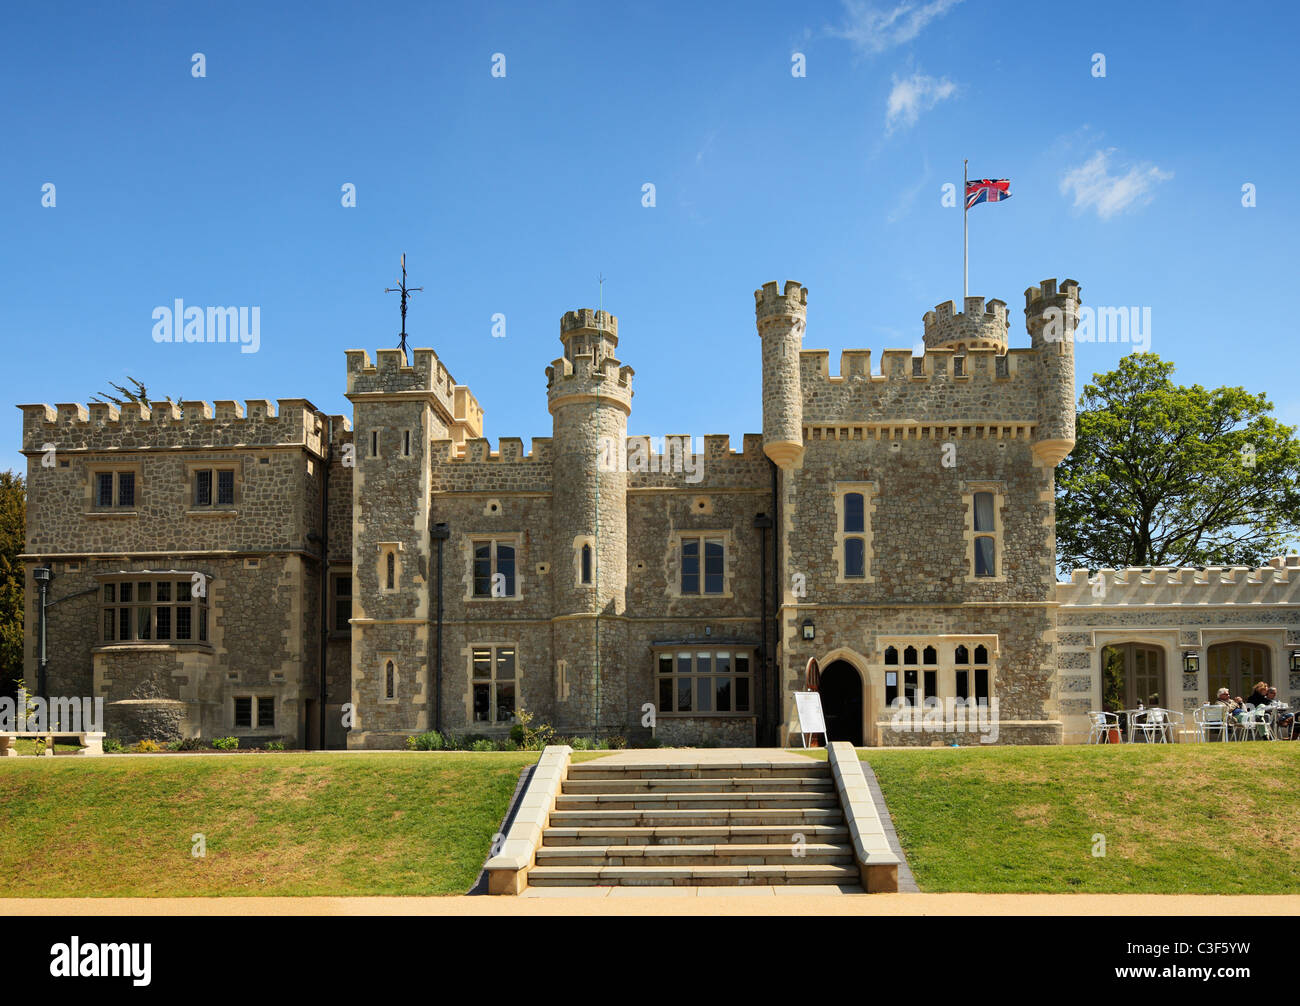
<point>1167,475</point>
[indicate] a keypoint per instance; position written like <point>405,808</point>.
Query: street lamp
<point>42,576</point>
<point>809,630</point>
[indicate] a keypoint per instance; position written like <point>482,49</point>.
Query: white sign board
<point>808,705</point>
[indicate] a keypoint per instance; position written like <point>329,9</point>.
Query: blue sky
<point>511,194</point>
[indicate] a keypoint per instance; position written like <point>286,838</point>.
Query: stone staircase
<point>706,823</point>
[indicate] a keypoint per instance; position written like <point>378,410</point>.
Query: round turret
<point>781,319</point>
<point>977,327</point>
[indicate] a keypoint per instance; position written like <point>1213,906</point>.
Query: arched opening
<point>1237,666</point>
<point>841,693</point>
<point>1132,674</point>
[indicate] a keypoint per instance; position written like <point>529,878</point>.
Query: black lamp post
<point>42,576</point>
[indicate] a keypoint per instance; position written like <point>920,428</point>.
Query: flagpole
<point>965,240</point>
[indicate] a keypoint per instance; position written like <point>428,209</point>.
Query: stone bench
<point>91,741</point>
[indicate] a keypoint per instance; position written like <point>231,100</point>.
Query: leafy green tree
<point>1167,475</point>
<point>13,517</point>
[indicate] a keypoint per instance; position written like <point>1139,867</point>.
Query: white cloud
<point>910,96</point>
<point>1096,187</point>
<point>871,29</point>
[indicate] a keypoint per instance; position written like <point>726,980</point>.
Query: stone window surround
<point>561,679</point>
<point>578,542</point>
<point>385,549</point>
<point>273,691</point>
<point>95,469</point>
<point>869,491</point>
<point>493,645</point>
<point>383,659</point>
<point>675,562</point>
<point>172,576</point>
<point>336,571</point>
<point>946,667</point>
<point>695,648</point>
<point>968,491</point>
<point>373,443</point>
<point>192,468</point>
<point>473,539</point>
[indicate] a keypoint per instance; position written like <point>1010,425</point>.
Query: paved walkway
<point>620,903</point>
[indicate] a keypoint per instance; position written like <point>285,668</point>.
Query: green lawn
<point>1181,818</point>
<point>275,824</point>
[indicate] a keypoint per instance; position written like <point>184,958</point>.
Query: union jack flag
<point>987,190</point>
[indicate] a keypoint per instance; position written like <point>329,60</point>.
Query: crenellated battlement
<point>978,326</point>
<point>770,304</point>
<point>584,376</point>
<point>189,424</point>
<point>391,372</point>
<point>511,449</point>
<point>1275,583</point>
<point>479,450</point>
<point>1047,293</point>
<point>588,320</point>
<point>903,365</point>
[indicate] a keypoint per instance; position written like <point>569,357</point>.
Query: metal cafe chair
<point>1154,724</point>
<point>1102,725</point>
<point>1211,719</point>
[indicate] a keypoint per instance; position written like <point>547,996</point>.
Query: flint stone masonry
<point>974,413</point>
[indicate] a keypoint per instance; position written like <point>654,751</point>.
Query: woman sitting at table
<point>1259,697</point>
<point>1285,719</point>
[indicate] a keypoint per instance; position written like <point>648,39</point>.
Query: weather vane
<point>405,291</point>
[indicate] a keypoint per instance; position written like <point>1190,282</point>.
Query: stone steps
<point>797,784</point>
<point>694,801</point>
<point>692,834</point>
<point>690,876</point>
<point>761,854</point>
<point>700,823</point>
<point>631,817</point>
<point>710,770</point>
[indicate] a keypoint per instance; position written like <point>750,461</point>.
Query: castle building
<point>228,570</point>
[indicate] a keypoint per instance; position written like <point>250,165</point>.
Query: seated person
<point>1259,697</point>
<point>1285,718</point>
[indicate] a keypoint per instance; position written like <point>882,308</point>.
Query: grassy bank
<point>1176,819</point>
<point>282,824</point>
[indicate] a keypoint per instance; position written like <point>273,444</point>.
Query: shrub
<point>527,736</point>
<point>580,744</point>
<point>431,741</point>
<point>617,742</point>
<point>146,746</point>
<point>275,745</point>
<point>225,743</point>
<point>113,746</point>
<point>189,744</point>
<point>483,744</point>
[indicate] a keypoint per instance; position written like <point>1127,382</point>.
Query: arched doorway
<point>841,692</point>
<point>1236,667</point>
<point>1132,674</point>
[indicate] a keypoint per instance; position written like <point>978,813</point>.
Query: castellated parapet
<point>168,425</point>
<point>426,377</point>
<point>988,390</point>
<point>977,327</point>
<point>781,318</point>
<point>1276,583</point>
